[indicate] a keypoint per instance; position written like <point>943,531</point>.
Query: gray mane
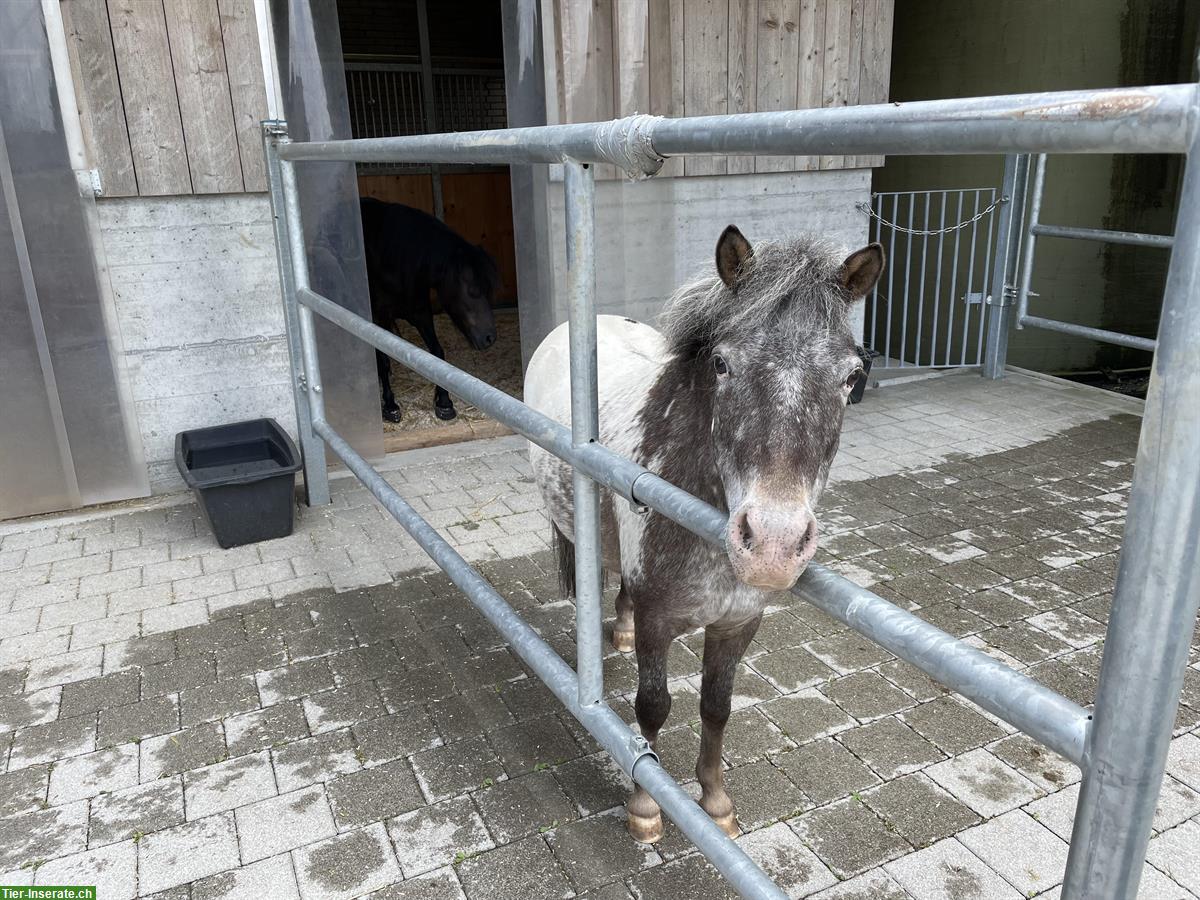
<point>789,289</point>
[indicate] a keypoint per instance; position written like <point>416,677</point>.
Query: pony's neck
<point>677,432</point>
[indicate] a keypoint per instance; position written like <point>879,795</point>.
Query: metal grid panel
<point>1123,752</point>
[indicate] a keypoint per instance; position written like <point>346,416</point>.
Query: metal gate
<point>928,310</point>
<point>1122,751</point>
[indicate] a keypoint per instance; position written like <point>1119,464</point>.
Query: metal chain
<point>866,208</point>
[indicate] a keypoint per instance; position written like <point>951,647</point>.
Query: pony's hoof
<point>646,829</point>
<point>392,415</point>
<point>623,640</point>
<point>445,413</point>
<point>728,823</point>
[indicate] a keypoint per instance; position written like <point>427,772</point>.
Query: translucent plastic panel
<point>64,439</point>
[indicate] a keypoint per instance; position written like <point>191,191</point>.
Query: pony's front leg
<point>623,631</point>
<point>652,706</point>
<point>723,650</point>
<point>443,406</point>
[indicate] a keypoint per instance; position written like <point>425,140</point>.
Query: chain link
<point>866,208</point>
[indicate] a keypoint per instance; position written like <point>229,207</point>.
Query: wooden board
<point>665,30</point>
<point>143,57</point>
<point>810,87</point>
<point>876,59</point>
<point>98,94</point>
<point>205,105</point>
<point>706,72</point>
<point>239,33</point>
<point>837,64</point>
<point>778,68</point>
<point>745,17</point>
<point>711,57</point>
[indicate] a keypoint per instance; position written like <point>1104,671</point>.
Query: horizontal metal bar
<point>630,750</point>
<point>1133,238</point>
<point>610,470</point>
<point>1152,119</point>
<point>1096,334</point>
<point>1040,712</point>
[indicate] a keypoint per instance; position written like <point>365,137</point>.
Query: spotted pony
<point>737,399</point>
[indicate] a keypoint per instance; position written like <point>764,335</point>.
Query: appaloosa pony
<point>408,253</point>
<point>739,400</point>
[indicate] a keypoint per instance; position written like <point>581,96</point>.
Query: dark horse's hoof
<point>392,415</point>
<point>445,413</point>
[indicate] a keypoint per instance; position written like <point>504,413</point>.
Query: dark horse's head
<point>468,286</point>
<point>774,352</point>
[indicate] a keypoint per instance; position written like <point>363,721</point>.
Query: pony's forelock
<point>789,289</point>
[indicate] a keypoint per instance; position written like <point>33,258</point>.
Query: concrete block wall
<point>653,236</point>
<point>202,330</point>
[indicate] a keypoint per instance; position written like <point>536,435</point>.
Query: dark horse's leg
<point>391,410</point>
<point>443,406</point>
<point>652,706</point>
<point>723,650</point>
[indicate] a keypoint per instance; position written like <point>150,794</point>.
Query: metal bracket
<point>1007,298</point>
<point>639,749</point>
<point>302,382</point>
<point>975,298</point>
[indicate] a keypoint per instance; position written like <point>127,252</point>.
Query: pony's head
<point>771,344</point>
<point>467,292</point>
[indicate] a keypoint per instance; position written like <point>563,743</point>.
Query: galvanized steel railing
<point>1122,752</point>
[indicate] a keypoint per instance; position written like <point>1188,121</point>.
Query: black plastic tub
<point>244,478</point>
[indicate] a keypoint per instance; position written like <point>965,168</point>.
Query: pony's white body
<point>630,356</point>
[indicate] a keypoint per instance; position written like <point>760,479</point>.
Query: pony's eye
<point>853,379</point>
<point>720,365</point>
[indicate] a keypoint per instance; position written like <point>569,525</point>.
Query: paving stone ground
<point>326,716</point>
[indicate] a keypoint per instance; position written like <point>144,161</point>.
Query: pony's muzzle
<point>770,546</point>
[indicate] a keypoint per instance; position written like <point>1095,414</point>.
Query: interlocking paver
<point>86,776</point>
<point>42,834</point>
<point>186,853</point>
<point>458,767</point>
<point>178,751</point>
<point>597,850</point>
<point>374,794</point>
<point>263,728</point>
<point>984,783</point>
<point>136,721</point>
<point>919,810</point>
<point>229,784</point>
<point>1023,851</point>
<point>437,835</point>
<point>948,871</point>
<point>272,878</point>
<point>112,870</point>
<point>349,865</point>
<point>53,741</point>
<point>519,807</point>
<point>281,823</point>
<point>848,837</point>
<point>124,814</point>
<point>23,790</point>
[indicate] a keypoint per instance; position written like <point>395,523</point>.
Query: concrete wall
<point>197,299</point>
<point>654,235</point>
<point>962,48</point>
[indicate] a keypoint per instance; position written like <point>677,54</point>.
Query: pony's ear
<point>860,270</point>
<point>733,255</point>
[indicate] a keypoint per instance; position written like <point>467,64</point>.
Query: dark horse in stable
<point>408,253</point>
<point>739,401</point>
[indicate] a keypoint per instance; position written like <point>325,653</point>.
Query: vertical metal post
<point>307,331</point>
<point>1004,266</point>
<point>1156,597</point>
<point>580,187</point>
<point>1035,214</point>
<point>951,300</point>
<point>429,102</point>
<point>312,448</point>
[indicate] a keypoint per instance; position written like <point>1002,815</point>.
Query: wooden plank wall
<point>170,94</point>
<point>708,57</point>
